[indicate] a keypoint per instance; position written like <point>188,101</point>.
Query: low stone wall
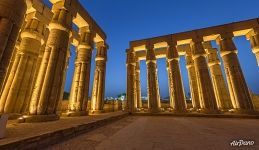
<point>112,106</point>
<point>109,106</point>
<point>166,104</point>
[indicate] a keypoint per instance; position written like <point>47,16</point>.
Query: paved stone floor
<point>167,133</point>
<point>19,131</point>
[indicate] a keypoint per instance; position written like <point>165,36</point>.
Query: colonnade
<point>208,88</point>
<point>38,39</point>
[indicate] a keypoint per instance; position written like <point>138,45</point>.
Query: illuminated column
<point>170,86</point>
<point>17,90</point>
<point>152,81</point>
<point>66,66</point>
<point>80,85</point>
<point>192,80</point>
<point>48,85</point>
<point>138,86</point>
<point>130,81</point>
<point>239,92</point>
<point>98,92</point>
<point>178,102</point>
<point>17,45</point>
<point>207,96</point>
<point>253,36</point>
<point>11,19</point>
<point>220,88</point>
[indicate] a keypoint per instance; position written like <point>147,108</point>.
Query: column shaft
<point>178,102</point>
<point>239,92</point>
<point>17,90</point>
<point>192,81</point>
<point>169,77</point>
<point>130,81</point>
<point>152,81</point>
<point>48,84</point>
<point>11,18</point>
<point>80,86</point>
<point>98,92</point>
<point>206,91</point>
<point>138,86</point>
<point>220,88</point>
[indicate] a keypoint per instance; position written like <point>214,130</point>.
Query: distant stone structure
<point>209,92</point>
<point>34,53</point>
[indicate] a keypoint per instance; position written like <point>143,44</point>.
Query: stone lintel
<point>208,34</point>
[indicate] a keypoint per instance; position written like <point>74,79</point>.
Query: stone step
<point>42,135</point>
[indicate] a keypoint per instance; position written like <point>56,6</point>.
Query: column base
<point>38,118</point>
<point>209,111</point>
<point>14,116</point>
<point>244,111</point>
<point>75,113</point>
<point>178,111</point>
<point>155,110</point>
<point>194,110</point>
<point>96,112</point>
<point>139,109</point>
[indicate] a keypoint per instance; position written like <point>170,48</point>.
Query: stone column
<point>11,18</point>
<point>48,85</point>
<point>171,100</point>
<point>239,92</point>
<point>152,81</point>
<point>253,37</point>
<point>138,86</point>
<point>207,96</point>
<point>192,80</point>
<point>220,88</point>
<point>17,90</point>
<point>80,85</point>
<point>178,102</point>
<point>98,92</point>
<point>130,81</point>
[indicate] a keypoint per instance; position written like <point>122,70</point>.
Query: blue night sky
<point>127,20</point>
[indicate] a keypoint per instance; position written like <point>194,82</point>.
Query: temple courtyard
<point>152,132</point>
<point>60,73</point>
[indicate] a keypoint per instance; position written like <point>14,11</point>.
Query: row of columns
<point>209,92</point>
<point>34,84</point>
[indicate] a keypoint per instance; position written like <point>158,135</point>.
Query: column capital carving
<point>252,33</point>
<point>212,55</point>
<point>37,9</point>
<point>225,35</point>
<point>253,36</point>
<point>172,53</point>
<point>38,16</point>
<point>197,48</point>
<point>189,59</point>
<point>86,38</point>
<point>130,57</point>
<point>63,15</point>
<point>226,44</point>
<point>101,54</point>
<point>150,55</point>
